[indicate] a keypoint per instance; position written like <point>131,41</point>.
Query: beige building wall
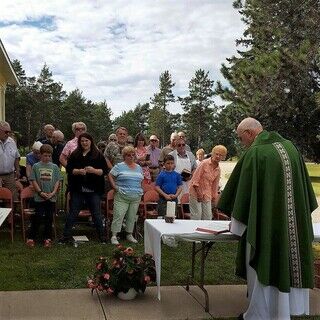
<point>2,97</point>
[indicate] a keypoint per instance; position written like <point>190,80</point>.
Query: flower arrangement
<point>125,270</point>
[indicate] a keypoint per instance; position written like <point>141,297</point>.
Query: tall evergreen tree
<point>277,78</point>
<point>74,109</point>
<point>49,97</point>
<point>198,107</point>
<point>135,120</point>
<point>160,102</point>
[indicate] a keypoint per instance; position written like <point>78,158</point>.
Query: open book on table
<point>212,228</point>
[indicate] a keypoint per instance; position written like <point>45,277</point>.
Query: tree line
<point>274,76</point>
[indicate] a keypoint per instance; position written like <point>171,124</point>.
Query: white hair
<point>249,124</point>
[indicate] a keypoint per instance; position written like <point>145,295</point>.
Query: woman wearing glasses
<point>126,178</point>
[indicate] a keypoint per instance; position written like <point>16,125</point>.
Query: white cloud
<point>116,50</point>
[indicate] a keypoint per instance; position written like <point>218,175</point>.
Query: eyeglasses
<point>181,144</point>
<point>80,129</point>
<point>114,139</point>
<point>130,142</point>
<point>6,131</point>
<point>153,140</point>
<point>130,155</point>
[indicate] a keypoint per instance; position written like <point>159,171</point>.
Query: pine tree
<point>198,107</point>
<point>159,123</point>
<point>276,79</point>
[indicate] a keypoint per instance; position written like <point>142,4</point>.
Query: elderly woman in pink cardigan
<point>204,184</point>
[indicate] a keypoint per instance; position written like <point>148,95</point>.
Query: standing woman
<point>126,178</point>
<point>204,185</point>
<point>143,158</point>
<point>86,168</point>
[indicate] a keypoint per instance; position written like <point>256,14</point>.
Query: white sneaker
<point>114,240</point>
<point>131,238</point>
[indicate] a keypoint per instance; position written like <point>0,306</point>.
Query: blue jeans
<point>92,200</point>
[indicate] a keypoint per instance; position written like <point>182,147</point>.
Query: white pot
<point>130,295</point>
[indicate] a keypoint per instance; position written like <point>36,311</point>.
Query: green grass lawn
<point>66,267</point>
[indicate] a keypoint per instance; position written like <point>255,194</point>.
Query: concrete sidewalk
<point>176,303</point>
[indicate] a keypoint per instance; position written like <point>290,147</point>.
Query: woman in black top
<point>86,169</point>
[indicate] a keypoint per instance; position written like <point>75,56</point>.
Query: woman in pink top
<point>142,156</point>
<point>204,185</point>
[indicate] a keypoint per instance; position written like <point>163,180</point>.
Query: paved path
<point>176,303</point>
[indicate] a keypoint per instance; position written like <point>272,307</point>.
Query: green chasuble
<point>270,192</point>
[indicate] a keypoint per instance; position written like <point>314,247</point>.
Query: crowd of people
<point>269,198</point>
<point>121,163</point>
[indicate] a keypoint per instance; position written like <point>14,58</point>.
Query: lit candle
<point>171,209</point>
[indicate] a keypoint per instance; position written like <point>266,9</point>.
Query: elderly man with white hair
<point>270,199</point>
<point>33,157</point>
<point>168,148</point>
<point>48,130</point>
<point>57,144</point>
<point>9,159</point>
<point>71,145</point>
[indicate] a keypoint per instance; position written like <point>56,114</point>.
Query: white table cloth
<point>154,229</point>
<point>4,212</point>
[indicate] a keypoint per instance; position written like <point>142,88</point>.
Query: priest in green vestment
<point>270,199</point>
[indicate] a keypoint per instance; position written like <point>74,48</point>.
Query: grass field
<point>66,267</point>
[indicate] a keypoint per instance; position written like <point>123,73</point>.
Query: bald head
<point>248,129</point>
<point>57,137</point>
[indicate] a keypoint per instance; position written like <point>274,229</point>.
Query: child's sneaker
<point>47,243</point>
<point>30,243</point>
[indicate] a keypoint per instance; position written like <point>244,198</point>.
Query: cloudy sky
<point>115,50</point>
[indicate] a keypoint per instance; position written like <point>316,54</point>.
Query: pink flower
<point>91,284</point>
<point>128,251</point>
<point>147,279</point>
<point>110,291</point>
<point>100,287</point>
<point>99,266</point>
<point>106,276</point>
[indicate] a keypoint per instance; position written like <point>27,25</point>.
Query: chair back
<point>6,196</point>
<point>184,206</point>
<point>150,203</point>
<point>109,203</point>
<point>7,199</point>
<point>26,194</point>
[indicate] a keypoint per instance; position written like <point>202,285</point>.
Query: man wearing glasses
<point>185,163</point>
<point>57,144</point>
<point>9,159</point>
<point>270,199</point>
<point>113,151</point>
<point>71,145</point>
